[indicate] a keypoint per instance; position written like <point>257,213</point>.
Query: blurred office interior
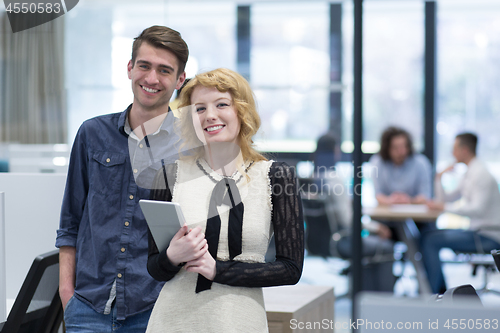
<point>298,56</point>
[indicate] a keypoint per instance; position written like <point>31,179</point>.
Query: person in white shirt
<point>476,197</point>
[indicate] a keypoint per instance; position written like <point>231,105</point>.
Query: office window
<point>98,46</point>
<point>393,47</point>
<point>209,29</point>
<point>290,72</point>
<point>469,78</point>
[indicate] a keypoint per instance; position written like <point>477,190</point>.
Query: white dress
<point>223,308</point>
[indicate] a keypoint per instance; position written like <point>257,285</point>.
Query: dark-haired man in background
<point>103,237</point>
<point>476,197</point>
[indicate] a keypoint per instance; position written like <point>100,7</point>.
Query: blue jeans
<point>81,318</point>
<point>457,240</point>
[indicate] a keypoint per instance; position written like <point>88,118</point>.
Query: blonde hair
<point>225,80</point>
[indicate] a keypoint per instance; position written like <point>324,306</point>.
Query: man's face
<point>154,77</point>
<point>398,149</point>
<point>458,151</point>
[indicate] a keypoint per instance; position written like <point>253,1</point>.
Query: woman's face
<point>215,118</point>
<point>398,149</point>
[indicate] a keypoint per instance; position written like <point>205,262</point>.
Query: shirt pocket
<point>107,172</point>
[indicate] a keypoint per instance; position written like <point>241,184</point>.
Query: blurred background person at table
<point>378,275</point>
<point>477,197</point>
<point>400,175</point>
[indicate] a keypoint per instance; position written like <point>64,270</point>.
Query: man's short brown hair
<point>468,140</point>
<point>163,38</point>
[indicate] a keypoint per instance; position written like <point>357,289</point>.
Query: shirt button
<point>127,223</point>
<point>135,170</point>
<point>108,160</point>
<point>131,197</point>
<point>122,249</point>
<point>119,275</point>
<point>140,146</point>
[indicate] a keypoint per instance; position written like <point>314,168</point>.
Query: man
<point>103,239</point>
<point>476,197</point>
<point>401,176</point>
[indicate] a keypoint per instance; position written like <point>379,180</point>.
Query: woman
<point>232,199</point>
<point>400,175</point>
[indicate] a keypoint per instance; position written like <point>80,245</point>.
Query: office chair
<point>478,259</point>
<point>461,293</point>
<point>37,308</point>
<point>326,238</point>
<point>318,230</point>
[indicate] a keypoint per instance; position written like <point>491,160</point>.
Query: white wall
<point>2,261</point>
<point>32,208</point>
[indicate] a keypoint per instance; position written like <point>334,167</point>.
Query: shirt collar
<point>124,125</point>
<point>123,119</point>
<point>472,163</point>
<point>407,162</point>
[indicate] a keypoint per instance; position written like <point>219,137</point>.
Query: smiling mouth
<point>214,128</point>
<point>149,90</point>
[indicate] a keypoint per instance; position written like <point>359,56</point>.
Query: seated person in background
<point>401,176</point>
<point>338,207</point>
<point>476,197</point>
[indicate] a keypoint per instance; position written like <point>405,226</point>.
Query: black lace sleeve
<point>289,236</point>
<point>159,266</point>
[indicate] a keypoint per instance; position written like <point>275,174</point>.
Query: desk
<point>304,303</point>
<point>400,213</point>
<point>407,215</point>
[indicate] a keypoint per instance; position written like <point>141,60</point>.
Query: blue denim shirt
<point>100,216</point>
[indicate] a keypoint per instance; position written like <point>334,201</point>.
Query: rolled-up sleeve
<point>75,194</point>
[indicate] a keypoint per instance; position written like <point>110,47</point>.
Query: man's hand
<point>65,296</point>
<point>187,245</point>
<point>419,199</point>
<point>67,266</point>
<point>435,205</point>
<point>394,198</point>
<point>399,198</point>
<point>448,169</point>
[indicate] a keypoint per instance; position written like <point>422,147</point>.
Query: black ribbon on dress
<point>225,192</point>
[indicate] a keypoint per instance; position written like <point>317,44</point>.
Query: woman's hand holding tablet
<point>187,245</point>
<point>164,220</point>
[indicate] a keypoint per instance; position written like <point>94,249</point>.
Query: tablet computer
<point>164,220</point>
